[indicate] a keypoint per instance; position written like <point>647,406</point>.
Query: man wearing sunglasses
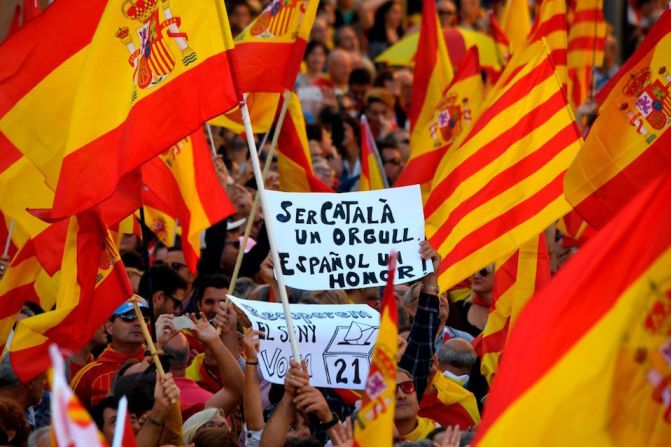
<point>410,426</point>
<point>392,161</point>
<point>166,288</point>
<point>93,381</point>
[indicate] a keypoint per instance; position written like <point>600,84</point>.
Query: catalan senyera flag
<point>92,89</point>
<point>293,153</point>
<point>516,23</point>
<point>372,174</point>
<point>501,43</point>
<point>433,74</point>
<point>517,279</point>
<point>449,403</point>
<point>93,283</point>
<point>374,424</point>
<point>629,143</point>
<point>504,183</point>
<point>608,308</point>
<point>574,229</point>
<point>270,51</point>
<point>552,26</point>
<point>71,424</point>
<point>183,178</point>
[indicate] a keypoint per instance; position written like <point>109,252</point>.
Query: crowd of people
<point>212,393</point>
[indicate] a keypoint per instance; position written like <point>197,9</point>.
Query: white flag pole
<point>10,230</point>
<point>120,423</point>
<point>258,175</point>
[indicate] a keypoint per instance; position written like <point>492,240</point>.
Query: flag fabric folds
<point>551,24</point>
<point>293,153</point>
<point>182,183</point>
<point>92,89</point>
<point>372,174</point>
<point>92,276</point>
<point>433,74</point>
<point>516,23</point>
<point>504,183</point>
<point>591,350</point>
<point>71,423</point>
<point>448,403</point>
<point>374,424</point>
<point>629,143</point>
<point>517,279</point>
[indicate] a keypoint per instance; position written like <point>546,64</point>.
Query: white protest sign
<point>336,341</point>
<point>342,241</point>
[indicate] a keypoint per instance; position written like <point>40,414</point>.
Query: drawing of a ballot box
<point>348,354</point>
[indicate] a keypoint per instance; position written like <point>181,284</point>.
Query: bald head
<point>339,66</point>
<point>177,348</point>
<point>457,356</point>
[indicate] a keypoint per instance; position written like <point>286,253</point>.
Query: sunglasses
<point>408,387</point>
<point>484,272</point>
<point>235,244</point>
<point>446,12</point>
<point>393,161</point>
<point>177,301</point>
<point>129,317</point>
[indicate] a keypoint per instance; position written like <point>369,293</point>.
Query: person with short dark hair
<point>165,288</point>
<point>14,428</point>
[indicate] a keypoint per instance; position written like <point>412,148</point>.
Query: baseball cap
<point>128,305</point>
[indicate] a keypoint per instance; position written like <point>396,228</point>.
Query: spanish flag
<point>374,424</point>
<point>517,279</point>
<point>93,283</point>
<point>448,403</point>
<point>293,153</point>
<point>504,183</point>
<point>183,179</point>
<point>70,422</point>
<point>270,51</point>
<point>591,350</point>
<point>516,23</point>
<point>629,143</point>
<point>92,89</point>
<point>372,174</point>
<point>433,74</point>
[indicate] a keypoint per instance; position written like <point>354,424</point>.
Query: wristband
<point>329,424</point>
<point>249,362</point>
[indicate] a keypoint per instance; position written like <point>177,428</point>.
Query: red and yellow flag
<point>374,424</point>
<point>372,174</point>
<point>629,143</point>
<point>95,88</point>
<point>183,182</point>
<point>93,283</point>
<point>433,74</point>
<point>552,26</point>
<point>448,403</point>
<point>504,183</point>
<point>270,51</point>
<point>293,153</point>
<point>518,278</point>
<point>516,23</point>
<point>592,349</point>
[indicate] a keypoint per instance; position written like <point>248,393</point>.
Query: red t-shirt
<point>93,382</point>
<point>192,397</point>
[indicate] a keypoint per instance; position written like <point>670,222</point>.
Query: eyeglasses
<point>446,12</point>
<point>177,301</point>
<point>129,317</point>
<point>393,161</point>
<point>176,266</point>
<point>235,244</point>
<point>484,272</point>
<point>408,387</point>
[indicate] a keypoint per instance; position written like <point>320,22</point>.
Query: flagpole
<point>258,175</point>
<point>208,129</point>
<point>10,230</point>
<point>120,423</point>
<point>255,204</point>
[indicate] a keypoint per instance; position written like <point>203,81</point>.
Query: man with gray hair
<point>456,359</point>
<point>26,394</point>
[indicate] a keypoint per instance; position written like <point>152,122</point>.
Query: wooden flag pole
<point>10,230</point>
<point>120,424</point>
<point>258,175</point>
<point>255,204</point>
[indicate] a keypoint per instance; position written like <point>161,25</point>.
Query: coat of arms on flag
<point>451,116</point>
<point>279,18</point>
<point>154,60</point>
<point>650,104</point>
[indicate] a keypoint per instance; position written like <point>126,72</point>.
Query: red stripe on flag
<point>12,301</point>
<point>554,24</point>
<point>504,223</point>
<point>201,95</point>
<point>215,203</point>
<point>9,154</point>
<point>426,59</point>
<point>27,60</point>
<point>588,15</point>
<point>590,43</point>
<point>496,148</point>
<point>273,57</point>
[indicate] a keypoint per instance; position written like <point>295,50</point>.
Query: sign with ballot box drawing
<point>336,341</point>
<point>342,241</point>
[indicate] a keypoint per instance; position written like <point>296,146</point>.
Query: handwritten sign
<point>342,241</point>
<point>336,341</point>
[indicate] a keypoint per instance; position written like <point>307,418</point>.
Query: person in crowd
<point>239,16</point>
<point>14,428</point>
<point>175,260</point>
<point>386,29</point>
<point>470,315</point>
<point>447,13</point>
<point>392,160</point>
<point>410,426</point>
<point>378,104</point>
<point>92,383</point>
<point>164,288</point>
